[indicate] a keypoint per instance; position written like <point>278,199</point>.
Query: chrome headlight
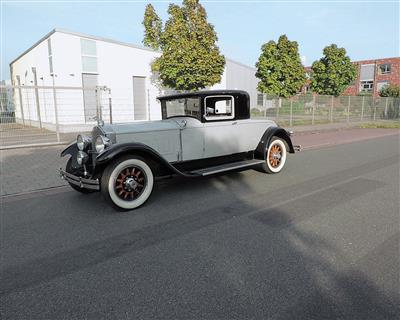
<point>81,157</point>
<point>101,143</point>
<point>83,142</point>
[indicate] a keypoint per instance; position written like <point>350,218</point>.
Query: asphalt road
<point>317,241</point>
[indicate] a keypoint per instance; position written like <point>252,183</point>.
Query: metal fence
<point>40,115</point>
<point>318,109</point>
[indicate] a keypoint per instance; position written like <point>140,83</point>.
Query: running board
<point>227,167</point>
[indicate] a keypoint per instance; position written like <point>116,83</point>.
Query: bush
<point>390,91</point>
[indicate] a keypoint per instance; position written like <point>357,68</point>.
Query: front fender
<point>72,149</point>
<point>259,153</point>
<point>139,149</point>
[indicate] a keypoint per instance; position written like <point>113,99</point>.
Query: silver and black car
<point>201,133</point>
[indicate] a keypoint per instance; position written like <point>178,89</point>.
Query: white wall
<point>242,77</point>
<point>117,64</point>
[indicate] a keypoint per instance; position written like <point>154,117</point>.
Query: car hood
<point>141,127</point>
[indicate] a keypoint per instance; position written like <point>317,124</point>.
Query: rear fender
<point>265,141</point>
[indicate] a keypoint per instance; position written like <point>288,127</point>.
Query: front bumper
<point>92,184</point>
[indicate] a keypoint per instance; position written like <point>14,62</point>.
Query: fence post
<point>348,110</point>
<point>56,110</point>
<point>277,109</point>
<point>313,112</point>
<point>291,112</point>
<point>386,107</point>
<point>265,104</point>
<point>362,108</point>
<point>110,105</point>
<point>331,113</point>
<point>21,105</point>
<point>373,101</point>
<point>98,110</point>
<point>37,97</point>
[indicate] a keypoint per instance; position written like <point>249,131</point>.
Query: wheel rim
<point>130,183</point>
<point>275,156</point>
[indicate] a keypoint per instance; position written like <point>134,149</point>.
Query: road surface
<point>317,241</point>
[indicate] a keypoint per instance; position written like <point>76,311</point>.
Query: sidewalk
<point>29,169</point>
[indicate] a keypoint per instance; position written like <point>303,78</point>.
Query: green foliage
<point>333,73</point>
<point>279,68</point>
<point>191,58</point>
<point>152,28</point>
<point>390,91</point>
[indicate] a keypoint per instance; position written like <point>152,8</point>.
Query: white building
<point>72,60</point>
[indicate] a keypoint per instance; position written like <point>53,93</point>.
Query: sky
<point>366,29</point>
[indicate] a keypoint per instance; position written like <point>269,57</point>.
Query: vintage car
<point>201,133</point>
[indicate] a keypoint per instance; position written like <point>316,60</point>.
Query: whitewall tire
<point>275,157</point>
<point>127,182</point>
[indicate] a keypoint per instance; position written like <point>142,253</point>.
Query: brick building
<point>372,75</point>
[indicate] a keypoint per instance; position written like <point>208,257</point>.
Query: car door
<point>191,128</point>
<point>221,134</point>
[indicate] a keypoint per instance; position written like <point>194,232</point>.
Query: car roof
<point>203,93</point>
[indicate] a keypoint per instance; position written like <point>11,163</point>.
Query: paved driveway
<point>318,241</point>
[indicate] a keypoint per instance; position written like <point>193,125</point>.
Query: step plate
<point>226,167</point>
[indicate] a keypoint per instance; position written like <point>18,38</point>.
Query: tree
<point>279,68</point>
<point>191,58</point>
<point>152,28</point>
<point>333,73</point>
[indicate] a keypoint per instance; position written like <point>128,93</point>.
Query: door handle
<point>235,122</point>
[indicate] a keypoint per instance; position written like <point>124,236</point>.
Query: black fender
<point>71,150</point>
<point>259,153</point>
<point>139,149</point>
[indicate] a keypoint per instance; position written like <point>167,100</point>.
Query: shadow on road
<point>269,266</point>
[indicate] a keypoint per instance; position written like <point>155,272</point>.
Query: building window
<point>367,72</point>
<point>49,50</point>
<point>260,99</point>
<point>366,86</point>
<point>381,84</point>
<point>89,56</point>
<point>385,68</point>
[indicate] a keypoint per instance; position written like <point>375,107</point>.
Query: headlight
<point>81,157</point>
<point>101,143</point>
<point>82,142</point>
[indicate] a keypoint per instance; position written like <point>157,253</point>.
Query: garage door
<point>89,82</point>
<point>139,98</point>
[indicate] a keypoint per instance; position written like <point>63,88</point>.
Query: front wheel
<point>275,157</point>
<point>127,182</point>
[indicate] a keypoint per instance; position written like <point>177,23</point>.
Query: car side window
<point>219,107</point>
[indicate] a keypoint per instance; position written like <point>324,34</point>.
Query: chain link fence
<point>319,109</point>
<point>42,115</point>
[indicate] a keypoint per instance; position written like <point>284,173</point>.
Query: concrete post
<point>291,112</point>
<point>21,105</point>
<point>362,108</point>
<point>110,105</point>
<point>56,109</point>
<point>37,96</point>
<point>348,110</point>
<point>386,108</point>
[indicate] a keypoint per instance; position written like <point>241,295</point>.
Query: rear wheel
<point>71,170</point>
<point>127,182</point>
<point>275,157</point>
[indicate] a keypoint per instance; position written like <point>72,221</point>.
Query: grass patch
<point>384,125</point>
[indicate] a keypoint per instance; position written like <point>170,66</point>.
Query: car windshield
<point>182,107</point>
